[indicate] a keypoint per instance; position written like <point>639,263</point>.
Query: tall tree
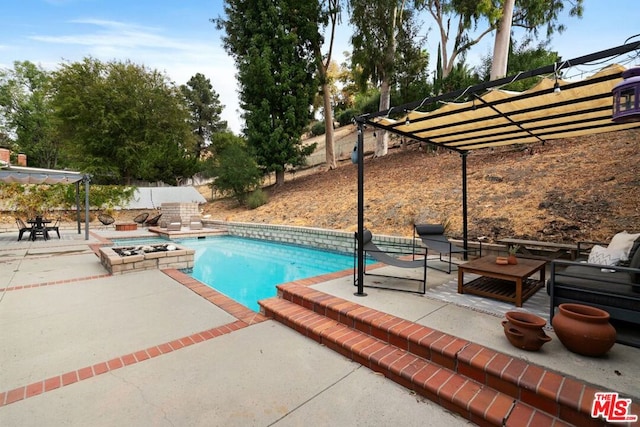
<point>530,15</point>
<point>25,104</point>
<point>330,17</point>
<point>124,122</point>
<point>374,47</point>
<point>468,15</point>
<point>205,110</point>
<point>272,43</point>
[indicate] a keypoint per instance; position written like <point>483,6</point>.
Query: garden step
<point>551,393</point>
<point>471,399</point>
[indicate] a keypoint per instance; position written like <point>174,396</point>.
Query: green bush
<point>257,198</point>
<point>236,171</point>
<point>345,117</point>
<point>318,128</point>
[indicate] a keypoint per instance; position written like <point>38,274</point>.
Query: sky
<point>176,37</point>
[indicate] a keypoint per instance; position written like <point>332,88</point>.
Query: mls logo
<point>612,408</point>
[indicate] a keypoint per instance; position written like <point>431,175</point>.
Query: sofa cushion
<point>606,256</point>
<point>595,279</point>
<point>623,241</point>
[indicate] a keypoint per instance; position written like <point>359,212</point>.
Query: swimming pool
<point>248,270</point>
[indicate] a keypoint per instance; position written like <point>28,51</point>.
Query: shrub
<point>236,171</point>
<point>257,198</point>
<point>345,117</point>
<point>318,128</point>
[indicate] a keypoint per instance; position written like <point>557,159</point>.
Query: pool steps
<point>482,385</point>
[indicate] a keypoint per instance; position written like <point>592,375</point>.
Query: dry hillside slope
<point>567,190</point>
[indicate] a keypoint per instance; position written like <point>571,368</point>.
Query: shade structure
<point>553,109</point>
<point>27,175</point>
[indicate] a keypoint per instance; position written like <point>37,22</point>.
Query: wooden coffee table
<point>504,282</point>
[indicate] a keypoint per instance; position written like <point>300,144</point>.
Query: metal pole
<point>87,180</point>
<point>360,240</point>
<point>78,205</point>
<point>465,231</point>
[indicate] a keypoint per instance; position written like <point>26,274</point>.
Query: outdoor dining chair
<point>22,228</point>
<point>55,227</point>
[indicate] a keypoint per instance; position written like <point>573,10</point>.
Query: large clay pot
<point>524,330</point>
<point>584,329</point>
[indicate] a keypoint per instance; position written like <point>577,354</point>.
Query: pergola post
<point>87,180</point>
<point>360,236</point>
<point>465,231</point>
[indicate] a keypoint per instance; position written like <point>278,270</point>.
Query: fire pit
<point>125,259</point>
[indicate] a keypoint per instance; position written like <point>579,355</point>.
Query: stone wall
<point>332,240</point>
<point>183,210</point>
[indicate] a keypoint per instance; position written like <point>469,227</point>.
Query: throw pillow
<point>605,256</point>
<point>623,242</point>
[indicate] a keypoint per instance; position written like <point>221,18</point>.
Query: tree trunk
<point>382,139</point>
<point>501,45</point>
<point>279,177</point>
<point>328,128</point>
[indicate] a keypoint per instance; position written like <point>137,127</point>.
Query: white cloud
<point>179,58</point>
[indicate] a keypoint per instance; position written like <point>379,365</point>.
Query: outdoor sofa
<point>613,288</point>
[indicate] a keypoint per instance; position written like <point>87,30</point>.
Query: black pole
<point>360,239</point>
<point>78,205</point>
<point>87,181</point>
<point>465,231</point>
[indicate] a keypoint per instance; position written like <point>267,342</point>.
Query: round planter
<point>512,259</point>
<point>524,330</point>
<point>584,329</point>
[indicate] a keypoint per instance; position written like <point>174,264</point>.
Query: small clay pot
<point>524,330</point>
<point>584,329</point>
<point>511,259</point>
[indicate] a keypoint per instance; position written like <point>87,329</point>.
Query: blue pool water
<point>248,270</point>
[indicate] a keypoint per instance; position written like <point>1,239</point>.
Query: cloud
<point>179,58</point>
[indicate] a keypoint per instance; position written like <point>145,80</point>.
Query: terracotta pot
<point>524,330</point>
<point>584,329</point>
<point>512,259</point>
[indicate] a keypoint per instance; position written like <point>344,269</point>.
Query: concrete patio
<point>83,347</point>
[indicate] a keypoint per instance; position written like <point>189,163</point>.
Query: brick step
<point>472,400</point>
<point>529,386</point>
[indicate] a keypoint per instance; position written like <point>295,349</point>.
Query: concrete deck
<point>81,347</point>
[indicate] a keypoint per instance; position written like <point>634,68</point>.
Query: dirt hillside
<point>563,191</point>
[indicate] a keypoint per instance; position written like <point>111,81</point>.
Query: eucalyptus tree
<point>123,122</point>
<point>473,20</point>
<point>377,27</point>
<point>27,115</point>
<point>272,43</point>
<point>205,110</point>
<point>329,18</point>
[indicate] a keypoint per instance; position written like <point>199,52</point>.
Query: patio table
<point>39,226</point>
<point>509,282</point>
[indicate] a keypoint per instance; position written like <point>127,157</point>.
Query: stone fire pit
<point>125,259</point>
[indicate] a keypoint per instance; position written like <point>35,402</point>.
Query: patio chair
<point>140,219</point>
<point>153,222</point>
<point>22,228</point>
<point>174,224</point>
<point>55,227</point>
<point>383,256</point>
<point>106,220</point>
<point>433,238</point>
<point>195,223</point>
